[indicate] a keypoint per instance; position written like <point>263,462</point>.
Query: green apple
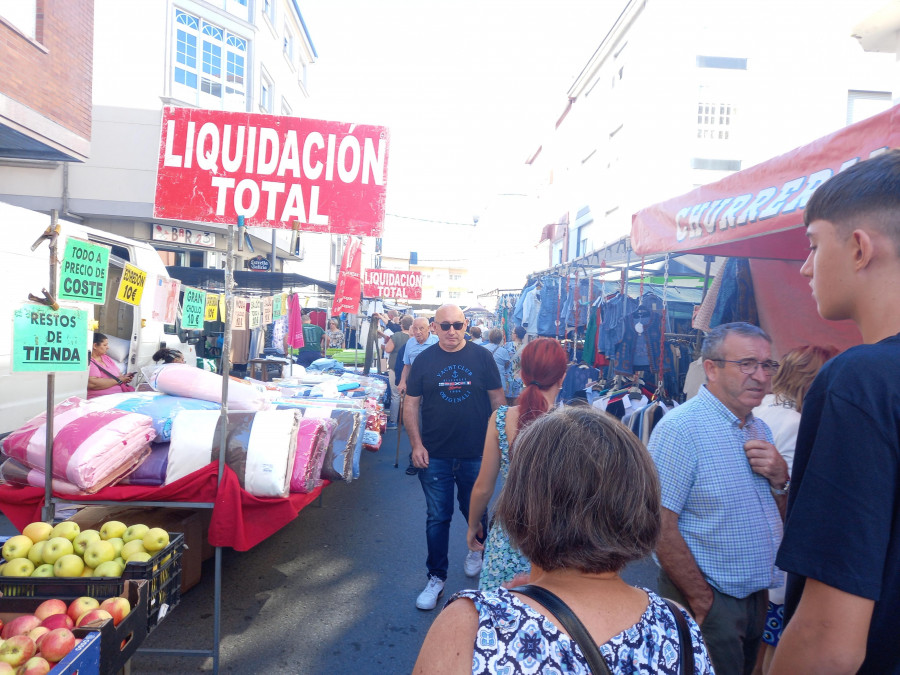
<point>98,552</point>
<point>140,556</point>
<point>45,570</point>
<point>156,539</point>
<point>111,529</point>
<point>35,553</point>
<point>38,531</point>
<point>56,548</point>
<point>84,538</point>
<point>19,567</point>
<point>135,532</point>
<point>66,529</point>
<point>131,548</point>
<point>108,569</point>
<point>120,560</point>
<point>16,547</point>
<point>68,566</point>
<point>87,572</point>
<point>117,543</point>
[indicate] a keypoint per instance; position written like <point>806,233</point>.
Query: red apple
<point>20,626</point>
<point>80,606</point>
<point>58,621</point>
<point>56,644</point>
<point>6,669</point>
<point>17,650</point>
<point>118,607</point>
<point>36,665</point>
<point>93,615</point>
<point>49,608</point>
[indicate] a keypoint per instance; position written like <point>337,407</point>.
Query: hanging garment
<point>295,323</point>
<point>530,310</point>
<point>520,301</point>
<point>552,294</point>
<point>736,301</point>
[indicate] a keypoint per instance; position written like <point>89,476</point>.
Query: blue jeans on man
<point>438,481</point>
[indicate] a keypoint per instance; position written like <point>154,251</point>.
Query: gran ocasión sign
<point>274,170</point>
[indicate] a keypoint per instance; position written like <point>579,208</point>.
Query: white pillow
<point>118,348</point>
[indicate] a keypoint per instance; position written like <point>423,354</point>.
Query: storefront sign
<point>284,304</point>
<point>222,306</point>
<point>275,171</point>
<point>182,235</point>
<point>259,264</point>
<point>193,308</point>
<point>131,285</point>
<point>44,340</point>
<point>165,300</point>
<point>267,310</point>
<point>346,295</point>
<point>392,284</point>
<point>83,274</point>
<point>240,314</point>
<point>212,307</point>
<point>255,313</point>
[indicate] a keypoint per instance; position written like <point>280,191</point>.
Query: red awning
<point>758,212</point>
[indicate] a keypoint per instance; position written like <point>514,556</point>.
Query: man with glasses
<point>456,385</point>
<point>724,488</point>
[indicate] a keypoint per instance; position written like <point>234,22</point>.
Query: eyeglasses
<point>457,325</point>
<point>749,366</point>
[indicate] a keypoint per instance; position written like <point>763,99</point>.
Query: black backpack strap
<point>685,644</point>
<point>571,623</point>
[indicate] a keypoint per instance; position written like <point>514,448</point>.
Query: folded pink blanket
<point>179,379</point>
<point>91,448</point>
<point>313,437</point>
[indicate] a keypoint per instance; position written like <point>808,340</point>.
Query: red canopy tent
<point>758,213</point>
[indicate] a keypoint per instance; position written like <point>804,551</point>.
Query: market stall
<point>757,213</point>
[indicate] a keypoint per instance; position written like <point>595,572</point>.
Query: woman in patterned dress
<point>544,368</point>
<point>582,501</point>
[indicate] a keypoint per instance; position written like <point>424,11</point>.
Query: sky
<point>468,90</point>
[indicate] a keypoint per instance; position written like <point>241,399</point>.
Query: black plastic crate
<point>162,571</point>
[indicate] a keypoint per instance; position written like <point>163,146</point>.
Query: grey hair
<point>712,345</point>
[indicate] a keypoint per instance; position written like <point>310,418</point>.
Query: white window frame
<point>268,10</point>
<point>286,107</point>
<point>22,15</point>
<point>287,47</point>
<point>266,92</point>
<point>207,73</point>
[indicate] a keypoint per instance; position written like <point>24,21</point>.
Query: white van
<point>134,335</point>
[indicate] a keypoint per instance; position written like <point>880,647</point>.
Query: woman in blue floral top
<point>544,367</point>
<point>581,501</point>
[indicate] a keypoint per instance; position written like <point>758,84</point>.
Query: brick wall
<point>52,74</point>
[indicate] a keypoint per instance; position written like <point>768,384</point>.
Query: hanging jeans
<point>438,481</point>
<point>550,299</point>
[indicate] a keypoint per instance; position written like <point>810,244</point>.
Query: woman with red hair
<point>543,368</point>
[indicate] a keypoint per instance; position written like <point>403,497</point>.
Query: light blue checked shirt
<point>727,514</point>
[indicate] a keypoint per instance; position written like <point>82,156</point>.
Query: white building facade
<point>235,55</point>
<point>679,95</point>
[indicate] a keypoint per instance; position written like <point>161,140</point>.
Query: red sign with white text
<point>401,284</point>
<point>275,171</point>
<point>346,295</point>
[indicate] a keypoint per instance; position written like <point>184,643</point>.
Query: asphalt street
<point>332,592</point>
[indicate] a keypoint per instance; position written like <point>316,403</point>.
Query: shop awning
<point>758,212</point>
<point>210,279</point>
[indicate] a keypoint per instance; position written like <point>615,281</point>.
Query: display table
<point>239,520</point>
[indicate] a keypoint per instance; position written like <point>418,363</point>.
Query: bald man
<point>456,385</point>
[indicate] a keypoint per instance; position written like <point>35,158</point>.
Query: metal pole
<point>49,511</point>
<point>272,261</point>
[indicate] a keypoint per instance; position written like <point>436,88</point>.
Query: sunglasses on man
<point>457,325</point>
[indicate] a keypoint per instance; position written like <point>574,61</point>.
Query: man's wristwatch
<point>783,490</point>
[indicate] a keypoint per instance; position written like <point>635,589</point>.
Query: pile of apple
<point>43,550</point>
<point>33,642</point>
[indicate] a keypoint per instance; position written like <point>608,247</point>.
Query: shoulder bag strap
<point>104,370</point>
<point>571,623</point>
<point>685,643</point>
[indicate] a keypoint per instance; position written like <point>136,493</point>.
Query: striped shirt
<point>727,515</point>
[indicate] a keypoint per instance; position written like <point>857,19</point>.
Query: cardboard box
<point>193,523</point>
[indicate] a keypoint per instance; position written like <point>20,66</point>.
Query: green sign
<point>276,305</point>
<point>193,309</point>
<point>83,275</point>
<point>44,340</point>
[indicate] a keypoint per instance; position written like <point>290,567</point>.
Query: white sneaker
<point>428,598</point>
<point>472,564</point>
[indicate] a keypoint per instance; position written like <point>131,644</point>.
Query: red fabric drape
<point>239,520</point>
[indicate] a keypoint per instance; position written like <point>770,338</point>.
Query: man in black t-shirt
<point>841,543</point>
<point>456,385</point>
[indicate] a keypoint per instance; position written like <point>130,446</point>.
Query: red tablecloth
<point>239,520</point>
